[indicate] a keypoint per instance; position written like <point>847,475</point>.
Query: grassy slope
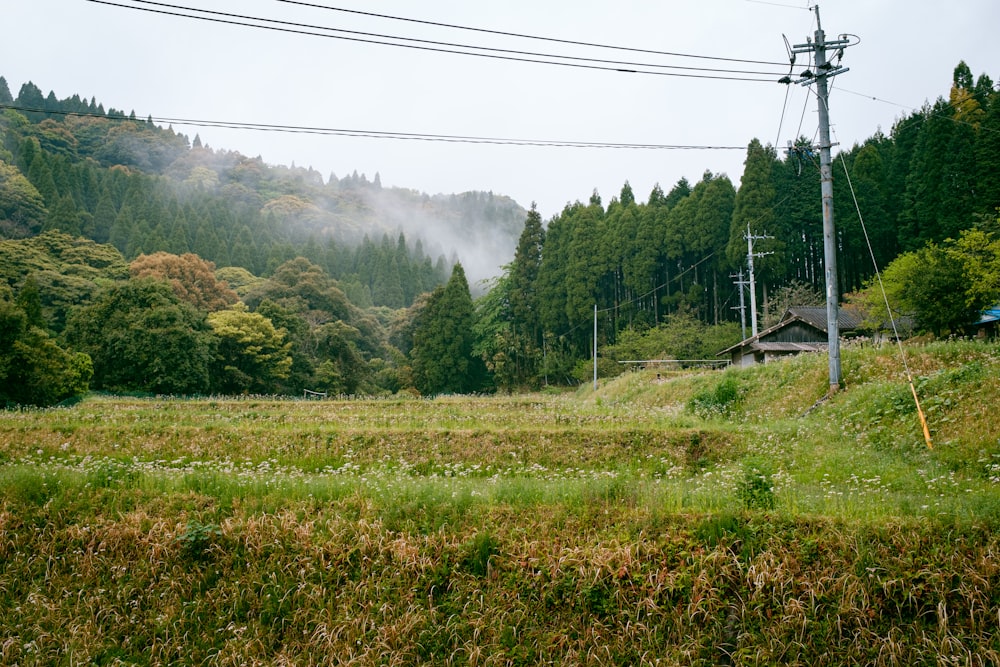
<point>699,520</point>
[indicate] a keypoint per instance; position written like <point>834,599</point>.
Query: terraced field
<point>711,518</point>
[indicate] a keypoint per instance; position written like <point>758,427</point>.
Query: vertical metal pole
<point>595,347</point>
<point>829,231</point>
<point>743,308</point>
<point>753,285</point>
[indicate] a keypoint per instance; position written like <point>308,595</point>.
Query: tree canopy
<point>142,337</point>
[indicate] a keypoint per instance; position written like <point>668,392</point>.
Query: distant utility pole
<point>595,347</point>
<point>825,70</point>
<point>753,281</point>
<point>741,285</point>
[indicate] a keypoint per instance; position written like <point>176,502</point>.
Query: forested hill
<point>74,166</point>
<point>353,300</point>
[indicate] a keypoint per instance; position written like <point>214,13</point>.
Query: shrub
<point>719,400</point>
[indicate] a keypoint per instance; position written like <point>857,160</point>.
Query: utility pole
<point>825,70</point>
<point>595,347</point>
<point>753,281</point>
<point>741,285</point>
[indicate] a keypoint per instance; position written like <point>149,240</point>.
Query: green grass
<point>714,518</point>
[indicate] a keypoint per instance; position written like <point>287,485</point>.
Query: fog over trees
<point>136,259</point>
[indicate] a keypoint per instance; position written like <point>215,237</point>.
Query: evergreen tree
<point>868,187</point>
<point>5,96</point>
<point>40,175</point>
<point>552,272</point>
<point>923,208</point>
<point>64,217</point>
<point>754,206</point>
<point>30,96</point>
<point>587,263</point>
<point>987,148</point>
<point>706,240</point>
<point>798,218</point>
<point>242,250</point>
<point>524,277</point>
<point>442,355</point>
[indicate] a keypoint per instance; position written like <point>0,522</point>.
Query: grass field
<point>709,518</point>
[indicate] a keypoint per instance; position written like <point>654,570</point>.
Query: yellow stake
<point>923,419</point>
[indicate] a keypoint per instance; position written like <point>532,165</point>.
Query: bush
<point>719,400</point>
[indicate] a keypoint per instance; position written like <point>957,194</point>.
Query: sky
<point>167,66</point>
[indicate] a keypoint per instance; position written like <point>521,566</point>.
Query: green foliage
<point>479,552</point>
<point>251,355</point>
<point>721,398</point>
<point>34,369</point>
<point>944,287</point>
<point>198,538</point>
<point>756,487</point>
<point>442,354</point>
<point>22,210</point>
<point>682,337</point>
<point>141,337</point>
<point>66,271</point>
<point>583,371</point>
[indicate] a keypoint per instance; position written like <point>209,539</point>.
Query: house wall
<point>796,332</point>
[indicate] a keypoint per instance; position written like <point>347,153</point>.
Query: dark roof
<point>848,319</point>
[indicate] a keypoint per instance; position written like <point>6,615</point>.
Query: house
<point>988,325</point>
<point>801,329</point>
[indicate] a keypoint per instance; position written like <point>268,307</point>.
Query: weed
<point>198,538</point>
<point>541,529</point>
<point>32,487</point>
<point>721,399</point>
<point>479,553</point>
<point>756,487</point>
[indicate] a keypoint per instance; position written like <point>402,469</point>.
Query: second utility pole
<point>824,71</point>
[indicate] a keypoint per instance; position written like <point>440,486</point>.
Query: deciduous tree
<point>34,369</point>
<point>252,356</point>
<point>142,337</point>
<point>191,277</point>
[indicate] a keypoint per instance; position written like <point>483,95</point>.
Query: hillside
<point>144,187</point>
<point>700,520</point>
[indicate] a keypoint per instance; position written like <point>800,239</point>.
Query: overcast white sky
<point>168,66</point>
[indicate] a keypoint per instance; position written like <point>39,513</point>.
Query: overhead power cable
<point>525,36</point>
<point>442,47</point>
<point>378,134</point>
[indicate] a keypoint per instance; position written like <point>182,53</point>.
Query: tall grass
<point>714,518</point>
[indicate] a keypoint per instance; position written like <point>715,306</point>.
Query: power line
<point>928,113</point>
<point>440,47</point>
<point>526,36</point>
<point>377,134</point>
